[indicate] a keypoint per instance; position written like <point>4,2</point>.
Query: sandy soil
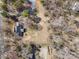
<point>40,37</point>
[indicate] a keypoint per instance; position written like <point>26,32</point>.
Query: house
<point>19,29</point>
<point>31,12</point>
<point>27,4</point>
<point>33,51</point>
<point>33,4</point>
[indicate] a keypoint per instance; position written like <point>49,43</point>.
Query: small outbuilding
<point>19,29</point>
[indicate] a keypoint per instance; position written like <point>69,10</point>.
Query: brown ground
<point>40,37</point>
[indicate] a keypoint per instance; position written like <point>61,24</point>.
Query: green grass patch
<point>25,13</point>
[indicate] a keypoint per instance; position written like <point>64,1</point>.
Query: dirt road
<point>40,37</point>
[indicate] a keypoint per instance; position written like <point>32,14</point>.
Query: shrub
<point>42,1</point>
<point>4,14</point>
<point>18,4</point>
<point>46,14</point>
<point>25,13</point>
<point>4,7</point>
<point>18,48</point>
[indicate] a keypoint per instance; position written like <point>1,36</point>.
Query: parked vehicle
<point>19,29</point>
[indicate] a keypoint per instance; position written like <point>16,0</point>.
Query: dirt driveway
<point>40,37</point>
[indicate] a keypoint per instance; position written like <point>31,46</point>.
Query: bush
<point>42,1</point>
<point>46,14</point>
<point>4,7</point>
<point>18,48</point>
<point>25,13</point>
<point>18,4</point>
<point>4,14</point>
<point>4,1</point>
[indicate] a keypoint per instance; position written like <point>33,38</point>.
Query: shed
<point>19,29</point>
